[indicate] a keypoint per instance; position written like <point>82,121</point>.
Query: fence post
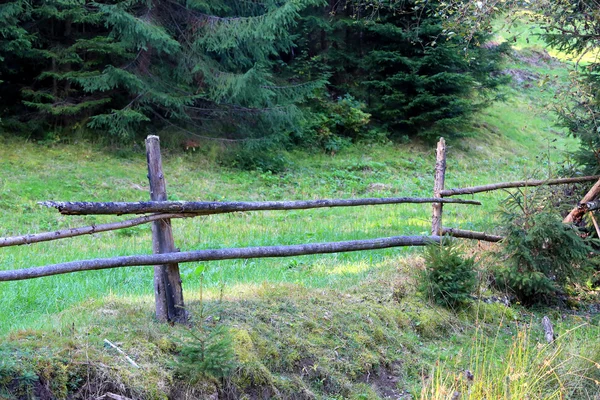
<point>438,186</point>
<point>168,293</point>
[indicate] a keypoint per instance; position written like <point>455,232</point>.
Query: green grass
<point>327,326</point>
<point>80,172</point>
<point>523,30</point>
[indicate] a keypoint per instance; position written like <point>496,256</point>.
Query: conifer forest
<point>293,72</point>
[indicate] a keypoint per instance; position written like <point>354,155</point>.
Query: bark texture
<point>508,185</point>
<point>460,233</point>
<point>168,292</point>
<point>218,254</point>
<point>215,207</point>
<point>85,230</point>
<point>577,213</point>
<point>438,186</point>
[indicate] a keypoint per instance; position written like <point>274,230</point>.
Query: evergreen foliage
<point>121,66</point>
<point>543,254</point>
<point>333,125</point>
<point>239,70</point>
<point>448,278</point>
<point>570,26</point>
<point>396,57</point>
<point>209,352</point>
<point>573,27</point>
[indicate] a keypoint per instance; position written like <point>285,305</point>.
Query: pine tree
<point>573,27</point>
<point>119,66</point>
<point>395,56</point>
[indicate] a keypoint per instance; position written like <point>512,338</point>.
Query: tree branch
<point>206,208</point>
<point>86,230</point>
<point>220,254</point>
<point>460,233</point>
<point>504,185</point>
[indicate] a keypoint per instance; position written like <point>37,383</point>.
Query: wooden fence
<point>167,282</point>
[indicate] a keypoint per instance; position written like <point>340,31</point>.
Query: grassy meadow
<point>80,172</point>
<point>328,326</point>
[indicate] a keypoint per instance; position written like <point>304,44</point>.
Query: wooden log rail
<point>516,184</point>
<point>218,254</point>
<point>461,233</point>
<point>86,230</point>
<point>216,207</point>
<point>169,297</point>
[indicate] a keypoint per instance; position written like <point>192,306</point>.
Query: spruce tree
<point>119,66</point>
<point>396,57</point>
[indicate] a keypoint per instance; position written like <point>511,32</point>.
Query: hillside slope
<point>335,326</point>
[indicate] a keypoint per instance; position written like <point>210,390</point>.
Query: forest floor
<point>335,326</point>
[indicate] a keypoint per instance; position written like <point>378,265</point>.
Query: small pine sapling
<point>449,277</point>
<point>209,351</point>
<point>543,255</point>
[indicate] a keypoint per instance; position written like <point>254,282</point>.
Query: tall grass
<point>519,367</point>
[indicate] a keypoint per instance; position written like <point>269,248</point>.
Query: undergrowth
<point>449,277</point>
<point>522,368</point>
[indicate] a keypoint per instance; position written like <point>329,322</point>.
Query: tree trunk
<point>168,292</point>
<point>438,186</point>
<point>577,213</point>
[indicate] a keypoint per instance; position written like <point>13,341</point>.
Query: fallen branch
<point>205,207</point>
<point>508,185</point>
<point>595,224</point>
<point>86,230</point>
<point>108,342</point>
<point>219,254</point>
<point>459,233</point>
<point>577,213</point>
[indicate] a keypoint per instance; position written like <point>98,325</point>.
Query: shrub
<point>257,155</point>
<point>448,278</point>
<point>543,255</point>
<point>333,125</point>
<point>209,353</point>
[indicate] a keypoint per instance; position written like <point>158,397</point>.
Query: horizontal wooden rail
<point>508,185</point>
<point>219,254</point>
<point>215,207</point>
<point>86,230</point>
<point>460,233</point>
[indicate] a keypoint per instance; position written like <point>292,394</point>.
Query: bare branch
<point>86,230</point>
<point>220,254</point>
<point>504,185</point>
<point>460,233</point>
<point>206,208</point>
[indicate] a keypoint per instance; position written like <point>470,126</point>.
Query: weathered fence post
<point>438,186</point>
<point>168,293</point>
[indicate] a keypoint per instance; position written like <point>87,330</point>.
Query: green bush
<point>209,353</point>
<point>256,155</point>
<point>448,278</point>
<point>542,254</point>
<point>333,125</point>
